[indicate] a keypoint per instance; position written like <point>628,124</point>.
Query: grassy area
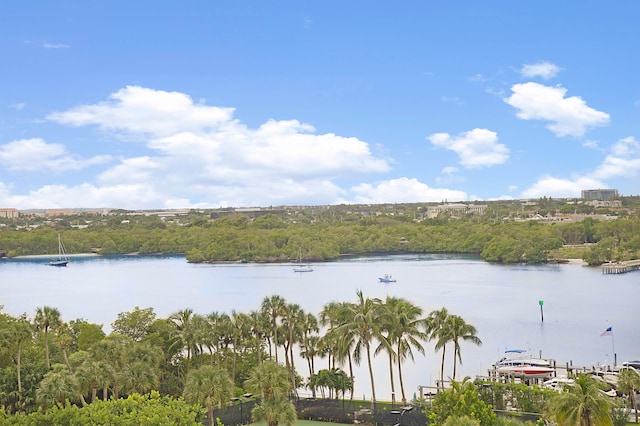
<point>569,253</point>
<point>303,423</point>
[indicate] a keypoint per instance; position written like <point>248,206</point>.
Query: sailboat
<point>62,260</point>
<point>300,267</point>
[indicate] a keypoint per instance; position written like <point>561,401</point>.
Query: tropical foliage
<point>460,401</point>
<point>135,410</point>
<point>582,404</point>
<point>328,233</point>
<point>50,367</point>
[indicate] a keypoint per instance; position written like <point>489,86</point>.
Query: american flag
<point>607,332</point>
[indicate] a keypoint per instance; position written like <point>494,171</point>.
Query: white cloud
<point>35,155</point>
<point>55,46</point>
<point>549,186</point>
<point>476,148</point>
<point>200,155</point>
<point>404,190</point>
<point>452,99</point>
<point>450,175</point>
<point>623,160</point>
<point>140,111</point>
<point>545,70</point>
<point>568,116</point>
<point>19,106</point>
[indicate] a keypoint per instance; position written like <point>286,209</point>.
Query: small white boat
<point>387,278</point>
<point>301,267</point>
<point>515,364</point>
<point>558,383</point>
<point>62,260</point>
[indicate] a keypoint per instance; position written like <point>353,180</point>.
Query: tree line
<point>271,238</point>
<point>209,359</point>
<point>189,363</point>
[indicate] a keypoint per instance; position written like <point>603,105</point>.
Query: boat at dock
<point>516,364</point>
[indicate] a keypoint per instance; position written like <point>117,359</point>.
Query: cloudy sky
<point>165,104</point>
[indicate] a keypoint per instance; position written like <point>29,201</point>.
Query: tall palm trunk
<point>293,370</point>
<point>351,374</point>
<point>46,347</point>
<point>233,361</point>
<point>373,388</point>
<point>18,363</point>
<point>210,419</point>
<point>444,347</point>
<point>455,359</point>
<point>66,361</point>
<point>404,399</point>
<point>393,386</point>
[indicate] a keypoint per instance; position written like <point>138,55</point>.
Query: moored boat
<point>300,267</point>
<point>62,259</point>
<point>387,278</point>
<point>515,364</point>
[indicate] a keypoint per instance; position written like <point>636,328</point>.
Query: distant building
<point>455,209</point>
<point>607,203</point>
<point>250,212</point>
<point>9,213</point>
<point>58,212</point>
<point>599,194</point>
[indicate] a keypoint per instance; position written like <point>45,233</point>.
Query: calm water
<point>501,301</point>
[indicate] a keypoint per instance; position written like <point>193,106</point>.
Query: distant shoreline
<point>565,261</point>
<point>576,262</point>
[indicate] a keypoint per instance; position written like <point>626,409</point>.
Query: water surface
<point>501,301</point>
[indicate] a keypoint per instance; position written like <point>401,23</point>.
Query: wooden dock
<point>621,267</point>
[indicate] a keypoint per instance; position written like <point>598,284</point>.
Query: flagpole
<point>613,349</point>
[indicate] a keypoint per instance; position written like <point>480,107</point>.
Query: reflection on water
<point>501,301</point>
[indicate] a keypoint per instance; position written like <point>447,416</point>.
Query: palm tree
<point>275,412</point>
<point>387,344</point>
<point>461,330</point>
<point>91,374</point>
<point>57,386</point>
<point>337,346</point>
<point>628,384</point>
<point>309,349</point>
<point>45,319</point>
<point>259,323</point>
<point>404,321</point>
<point>216,328</point>
<point>239,329</point>
<point>112,350</point>
<point>208,386</point>
<point>137,377</point>
<point>19,331</point>
<point>271,380</point>
<point>361,322</point>
<point>582,404</point>
<point>184,332</point>
<point>293,323</point>
<point>438,329</point>
<point>273,307</point>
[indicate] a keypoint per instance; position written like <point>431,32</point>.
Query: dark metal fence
<point>335,411</point>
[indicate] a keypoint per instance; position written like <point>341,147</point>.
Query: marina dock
<point>621,267</point>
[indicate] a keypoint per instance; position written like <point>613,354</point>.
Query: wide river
<point>503,302</point>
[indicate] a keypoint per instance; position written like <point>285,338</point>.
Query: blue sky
<point>165,104</point>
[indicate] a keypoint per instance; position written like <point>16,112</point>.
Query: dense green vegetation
<point>328,233</point>
<point>172,370</point>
